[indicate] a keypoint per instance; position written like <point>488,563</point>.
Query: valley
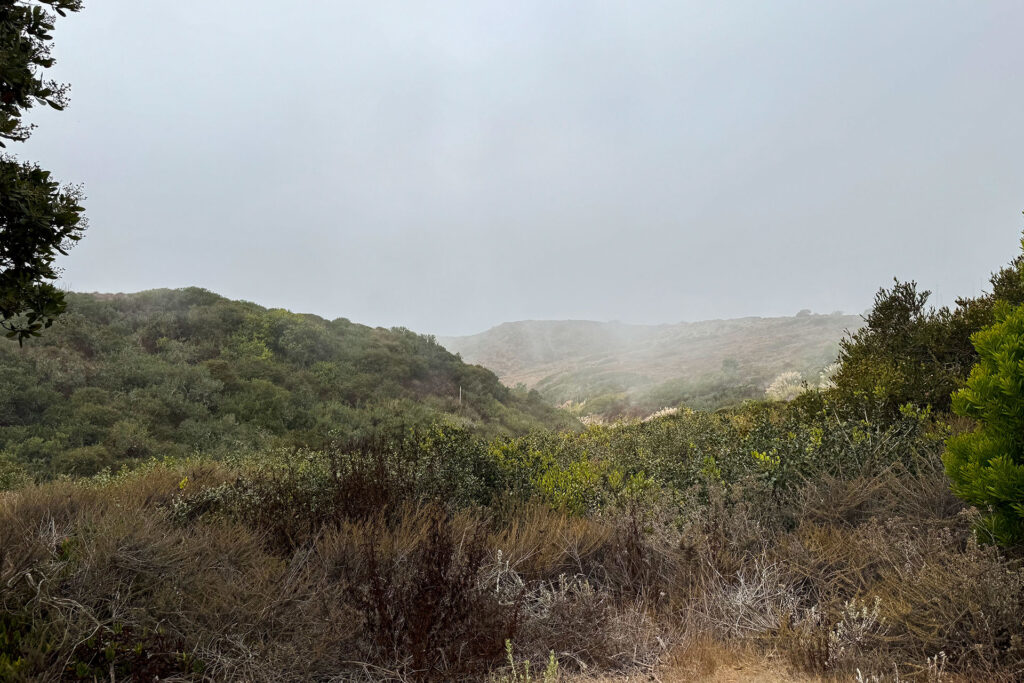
<point>616,369</point>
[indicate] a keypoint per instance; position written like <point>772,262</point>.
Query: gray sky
<point>447,166</point>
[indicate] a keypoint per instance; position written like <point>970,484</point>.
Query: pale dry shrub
<point>588,628</point>
<point>541,543</point>
<point>749,604</point>
<point>920,496</point>
<point>571,573</point>
<point>718,539</point>
<point>898,554</point>
<point>664,412</point>
<point>826,378</point>
<point>786,386</point>
<point>99,570</point>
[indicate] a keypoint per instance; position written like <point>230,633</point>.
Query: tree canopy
<point>39,218</point>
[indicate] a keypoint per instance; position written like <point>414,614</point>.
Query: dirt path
<point>711,663</point>
<point>727,673</point>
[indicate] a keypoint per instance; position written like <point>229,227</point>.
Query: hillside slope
<point>617,367</point>
<point>177,372</point>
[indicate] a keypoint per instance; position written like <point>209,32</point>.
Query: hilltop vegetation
<point>124,378</point>
<point>615,369</point>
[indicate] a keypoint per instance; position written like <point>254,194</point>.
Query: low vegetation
<point>352,522</point>
<point>833,543</point>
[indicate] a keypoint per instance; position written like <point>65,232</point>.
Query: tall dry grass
<point>168,573</point>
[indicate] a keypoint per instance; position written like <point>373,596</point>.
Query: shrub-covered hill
<point>176,372</point>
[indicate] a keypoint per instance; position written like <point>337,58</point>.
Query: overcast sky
<point>447,166</point>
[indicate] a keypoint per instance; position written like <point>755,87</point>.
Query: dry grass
<point>708,661</point>
<point>879,574</point>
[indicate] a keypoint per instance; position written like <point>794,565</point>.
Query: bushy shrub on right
<point>987,464</point>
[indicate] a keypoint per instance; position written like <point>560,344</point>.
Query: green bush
<point>987,464</point>
<point>909,352</point>
<point>83,462</point>
<point>12,474</point>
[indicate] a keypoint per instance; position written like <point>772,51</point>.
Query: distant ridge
<point>620,368</point>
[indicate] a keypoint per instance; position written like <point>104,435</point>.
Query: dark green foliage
<point>910,353</point>
<point>987,465</point>
<point>21,646</point>
<point>906,353</point>
<point>119,652</point>
<point>25,34</point>
<point>173,373</point>
<point>38,218</point>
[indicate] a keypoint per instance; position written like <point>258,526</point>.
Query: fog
<point>447,166</point>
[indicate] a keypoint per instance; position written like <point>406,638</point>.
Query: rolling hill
<point>619,369</point>
<point>128,377</point>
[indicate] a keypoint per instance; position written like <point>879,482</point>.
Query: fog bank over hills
<point>615,368</point>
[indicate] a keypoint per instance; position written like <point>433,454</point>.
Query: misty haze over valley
<point>616,369</point>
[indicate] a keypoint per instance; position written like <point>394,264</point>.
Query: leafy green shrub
<point>987,464</point>
<point>12,474</point>
<point>576,487</point>
<point>908,352</point>
<point>767,448</point>
<point>129,440</point>
<point>82,462</point>
<point>119,651</point>
<point>22,646</point>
